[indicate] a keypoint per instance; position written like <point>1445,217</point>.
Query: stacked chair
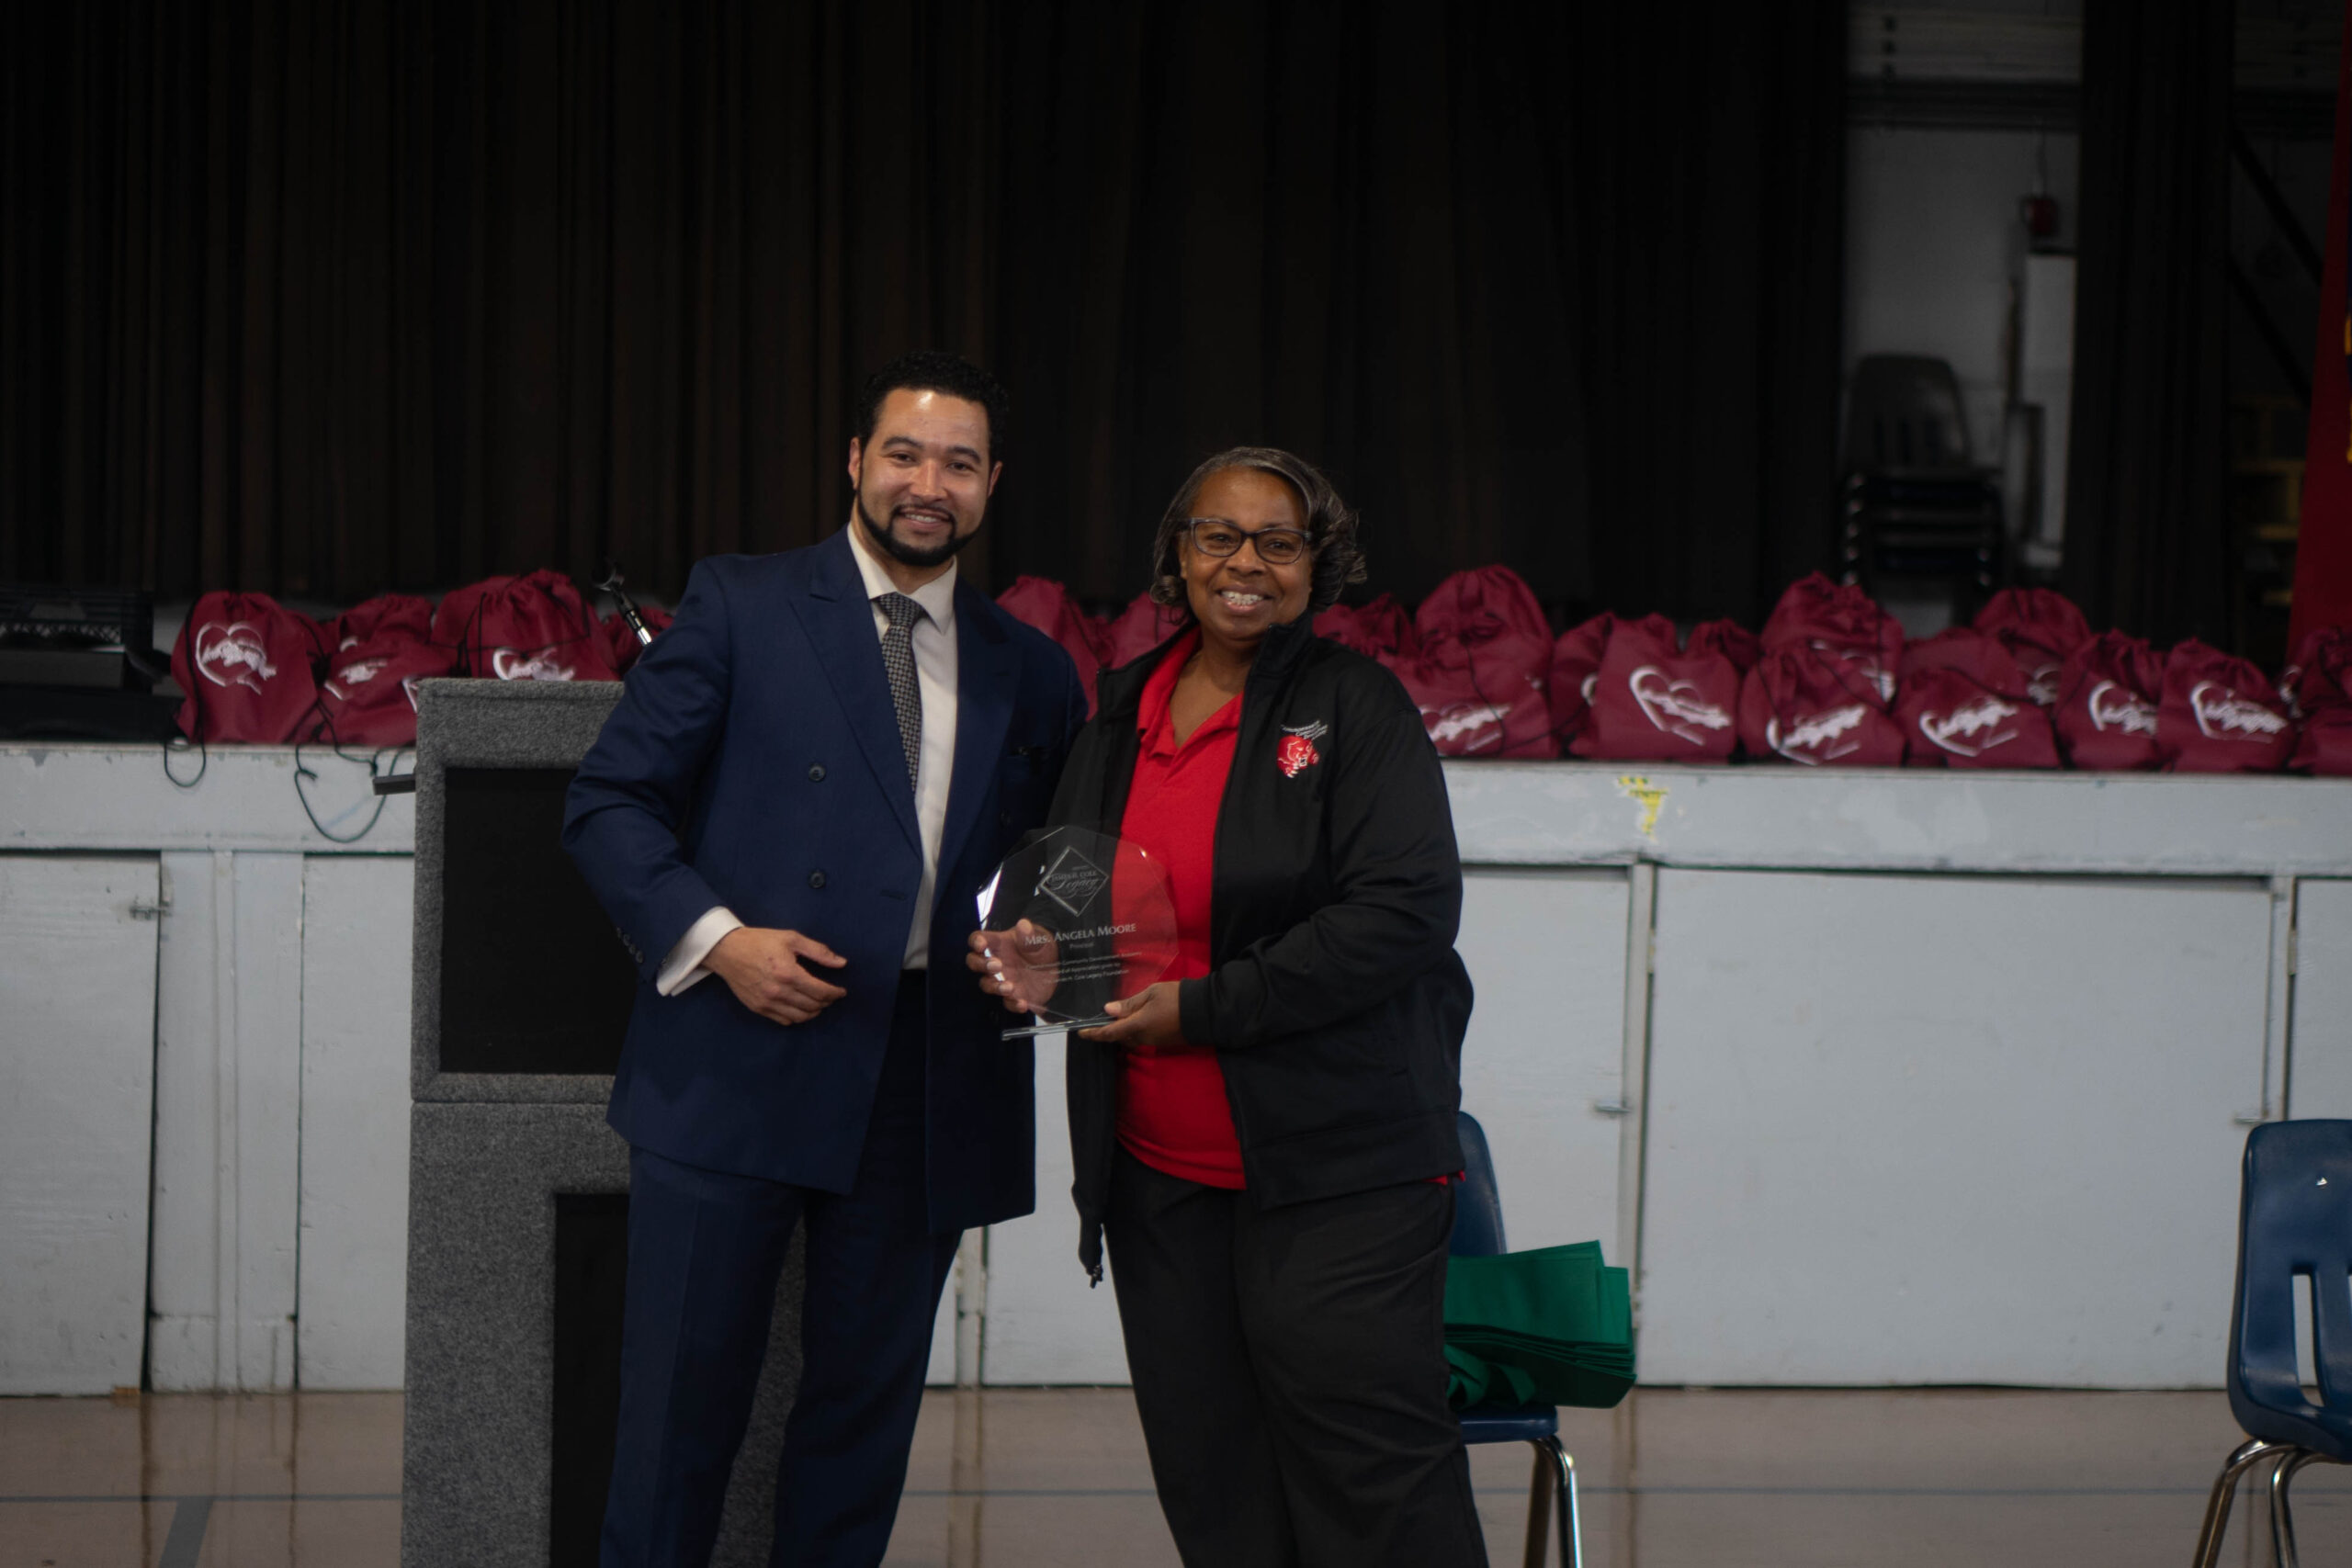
<point>1917,506</point>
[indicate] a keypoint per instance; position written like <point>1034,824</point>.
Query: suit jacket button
<point>817,772</point>
<point>816,879</point>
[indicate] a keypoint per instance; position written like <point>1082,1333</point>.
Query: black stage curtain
<point>320,299</point>
<point>1560,289</point>
<point>2148,483</point>
<point>1707,151</point>
<point>326,297</point>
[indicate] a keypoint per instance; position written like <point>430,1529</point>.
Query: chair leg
<point>1539,1509</point>
<point>2282,1517</point>
<point>1563,1478</point>
<point>2225,1487</point>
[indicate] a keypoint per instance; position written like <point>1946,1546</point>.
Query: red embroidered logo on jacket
<point>1298,754</point>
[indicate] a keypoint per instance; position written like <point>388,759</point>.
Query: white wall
<point>2322,1081</point>
<point>1981,998</point>
<point>1932,239</point>
<point>353,1256</point>
<point>1948,1130</point>
<point>77,1058</point>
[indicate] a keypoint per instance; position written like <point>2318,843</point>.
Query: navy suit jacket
<point>754,762</point>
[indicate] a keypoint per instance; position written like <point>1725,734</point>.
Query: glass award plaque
<point>1076,919</point>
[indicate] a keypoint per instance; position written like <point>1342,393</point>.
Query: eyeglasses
<point>1276,546</point>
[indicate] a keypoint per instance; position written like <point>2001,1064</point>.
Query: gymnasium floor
<point>1038,1478</point>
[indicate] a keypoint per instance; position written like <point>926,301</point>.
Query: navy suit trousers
<point>705,1250</point>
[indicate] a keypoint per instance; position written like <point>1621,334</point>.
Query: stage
<point>1876,1077</point>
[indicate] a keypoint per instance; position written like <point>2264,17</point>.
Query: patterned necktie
<point>898,659</point>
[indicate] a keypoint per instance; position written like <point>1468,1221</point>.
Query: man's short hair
<point>930,371</point>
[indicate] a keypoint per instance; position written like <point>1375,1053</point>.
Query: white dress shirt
<point>934,641</point>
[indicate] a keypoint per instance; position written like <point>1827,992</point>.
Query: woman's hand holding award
<point>1072,920</point>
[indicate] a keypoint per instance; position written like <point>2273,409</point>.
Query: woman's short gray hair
<point>1330,526</point>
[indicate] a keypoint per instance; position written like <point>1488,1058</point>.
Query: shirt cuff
<point>684,967</point>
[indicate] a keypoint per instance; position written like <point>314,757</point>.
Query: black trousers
<point>705,1250</point>
<point>1289,1367</point>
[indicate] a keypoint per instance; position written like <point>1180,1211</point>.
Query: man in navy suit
<point>810,774</point>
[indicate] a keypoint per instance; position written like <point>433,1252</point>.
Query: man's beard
<point>911,555</point>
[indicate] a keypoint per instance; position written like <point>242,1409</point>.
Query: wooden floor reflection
<point>1039,1478</point>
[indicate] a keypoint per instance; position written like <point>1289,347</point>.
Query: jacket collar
<point>988,670</point>
<point>832,570</point>
<point>988,678</point>
<point>1278,655</point>
<point>841,630</point>
<point>1119,692</point>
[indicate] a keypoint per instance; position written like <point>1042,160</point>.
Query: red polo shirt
<point>1174,1115</point>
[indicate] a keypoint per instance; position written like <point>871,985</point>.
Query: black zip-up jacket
<point>1334,999</point>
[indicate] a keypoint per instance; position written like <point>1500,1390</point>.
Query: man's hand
<point>1022,965</point>
<point>1148,1018</point>
<point>762,968</point>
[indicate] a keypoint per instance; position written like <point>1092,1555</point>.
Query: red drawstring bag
<point>2320,675</point>
<point>1964,704</point>
<point>2040,627</point>
<point>1042,603</point>
<point>1652,702</point>
<point>2323,744</point>
<point>1839,620</point>
<point>533,627</point>
<point>2318,686</point>
<point>1729,638</point>
<point>1479,677</point>
<point>1816,707</point>
<point>1978,654</point>
<point>2221,715</point>
<point>368,697</point>
<point>403,614</point>
<point>2105,715</point>
<point>1380,629</point>
<point>622,649</point>
<point>1576,667</point>
<point>249,667</point>
<point>1141,628</point>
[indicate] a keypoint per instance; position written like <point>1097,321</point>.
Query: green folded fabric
<point>1554,1326</point>
<point>1473,1381</point>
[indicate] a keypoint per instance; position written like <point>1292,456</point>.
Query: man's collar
<point>937,597</point>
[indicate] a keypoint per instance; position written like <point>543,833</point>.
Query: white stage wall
<point>1875,1077</point>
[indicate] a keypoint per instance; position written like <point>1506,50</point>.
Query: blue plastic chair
<point>2294,1219</point>
<point>1479,1233</point>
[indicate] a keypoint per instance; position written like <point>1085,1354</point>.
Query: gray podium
<point>518,1189</point>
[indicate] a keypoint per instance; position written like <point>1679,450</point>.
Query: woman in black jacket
<point>1266,1137</point>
